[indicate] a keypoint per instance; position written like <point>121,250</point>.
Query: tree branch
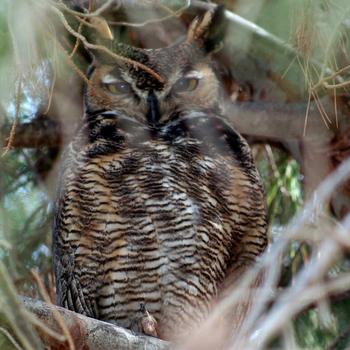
<point>89,333</point>
<point>277,121</point>
<point>40,132</point>
<point>274,121</point>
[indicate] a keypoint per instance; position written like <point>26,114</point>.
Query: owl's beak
<point>153,114</point>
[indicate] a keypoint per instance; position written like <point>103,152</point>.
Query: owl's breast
<point>162,224</point>
<point>163,217</point>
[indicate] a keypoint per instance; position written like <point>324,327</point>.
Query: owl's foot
<point>148,322</point>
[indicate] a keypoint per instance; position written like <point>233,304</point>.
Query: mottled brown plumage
<point>159,198</point>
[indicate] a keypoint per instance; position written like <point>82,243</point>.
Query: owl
<point>159,200</point>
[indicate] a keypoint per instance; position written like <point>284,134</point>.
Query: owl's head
<point>184,76</point>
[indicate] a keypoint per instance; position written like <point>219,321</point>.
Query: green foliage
<point>24,216</point>
<point>282,180</point>
<point>311,333</point>
<point>4,33</point>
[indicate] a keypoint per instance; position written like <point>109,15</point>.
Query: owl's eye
<point>121,87</point>
<point>185,84</point>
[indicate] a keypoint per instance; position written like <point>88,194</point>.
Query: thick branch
<point>275,121</point>
<point>38,133</point>
<point>279,121</point>
<point>89,333</point>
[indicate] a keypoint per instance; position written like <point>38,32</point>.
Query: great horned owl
<point>159,199</point>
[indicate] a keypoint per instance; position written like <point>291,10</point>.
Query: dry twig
<point>105,49</point>
<point>52,87</point>
<point>55,313</point>
<point>95,13</point>
<point>173,14</point>
<point>10,338</point>
<point>14,125</point>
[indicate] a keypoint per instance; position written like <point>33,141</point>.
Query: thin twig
<point>75,48</point>
<point>97,12</point>
<point>335,108</point>
<point>39,324</point>
<point>165,8</point>
<point>81,24</point>
<point>10,338</point>
<point>15,314</point>
<point>336,86</point>
<point>56,314</point>
<point>320,108</point>
<point>307,113</point>
<point>14,125</point>
<point>71,63</point>
<point>331,76</point>
<point>324,116</point>
<point>52,87</point>
<point>174,14</point>
<point>335,31</point>
<point>84,22</point>
<point>105,49</point>
<point>288,67</point>
<point>275,170</point>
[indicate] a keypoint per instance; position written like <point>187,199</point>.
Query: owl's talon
<point>148,322</point>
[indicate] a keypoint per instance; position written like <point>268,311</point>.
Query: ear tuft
<point>209,31</point>
<point>102,28</point>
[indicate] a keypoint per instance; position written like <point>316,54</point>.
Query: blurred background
<point>285,66</point>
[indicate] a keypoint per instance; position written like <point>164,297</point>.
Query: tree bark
<point>41,132</point>
<point>268,120</point>
<point>277,121</point>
